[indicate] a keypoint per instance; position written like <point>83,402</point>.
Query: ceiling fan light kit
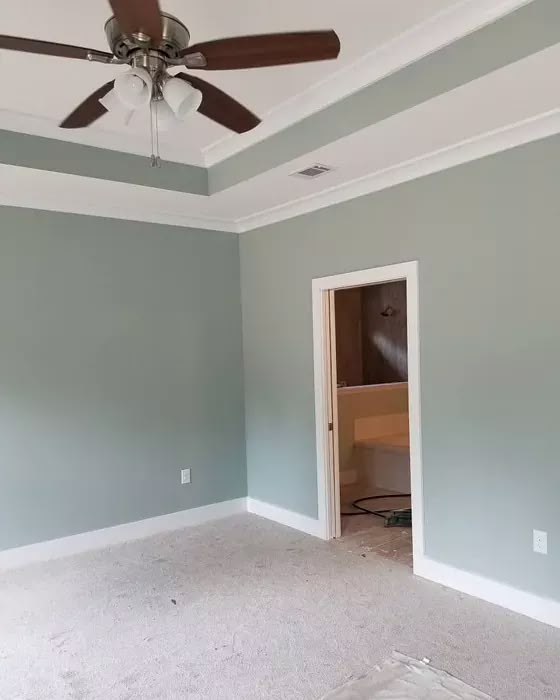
<point>151,42</point>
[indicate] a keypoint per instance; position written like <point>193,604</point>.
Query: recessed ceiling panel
<point>39,91</point>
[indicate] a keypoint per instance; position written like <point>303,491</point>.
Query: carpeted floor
<point>246,609</point>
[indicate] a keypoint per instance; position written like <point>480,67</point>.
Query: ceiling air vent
<point>313,171</point>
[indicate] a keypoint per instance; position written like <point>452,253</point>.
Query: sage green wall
<point>486,238</point>
<point>40,153</point>
<point>120,364</point>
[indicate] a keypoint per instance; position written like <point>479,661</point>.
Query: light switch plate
<point>185,476</point>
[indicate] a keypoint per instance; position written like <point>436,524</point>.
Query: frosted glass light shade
<point>181,97</point>
<point>134,88</point>
<point>112,104</point>
<point>164,115</point>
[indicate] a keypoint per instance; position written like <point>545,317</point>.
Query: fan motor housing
<point>175,38</point>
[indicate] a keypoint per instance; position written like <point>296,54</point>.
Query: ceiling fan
<point>150,42</point>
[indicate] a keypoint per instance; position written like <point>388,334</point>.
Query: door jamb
<point>326,478</point>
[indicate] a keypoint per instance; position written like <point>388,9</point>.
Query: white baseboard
<point>539,608</point>
<point>542,609</point>
<point>96,539</point>
<point>285,517</point>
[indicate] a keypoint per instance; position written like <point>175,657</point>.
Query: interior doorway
<point>373,436</point>
<point>368,408</point>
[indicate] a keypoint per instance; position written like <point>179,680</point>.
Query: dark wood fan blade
<point>222,108</point>
<point>139,16</point>
<point>263,50</point>
<point>90,109</point>
<point>48,48</point>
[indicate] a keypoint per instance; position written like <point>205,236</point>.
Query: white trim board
<point>96,539</point>
<point>536,607</point>
<point>303,523</point>
<point>539,608</point>
<point>325,479</point>
<point>485,144</point>
<point>437,31</point>
<point>34,188</point>
<point>28,188</point>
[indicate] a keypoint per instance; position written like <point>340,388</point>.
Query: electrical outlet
<point>540,542</point>
<point>185,476</point>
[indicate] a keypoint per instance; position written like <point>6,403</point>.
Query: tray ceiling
<point>38,91</point>
<point>419,87</point>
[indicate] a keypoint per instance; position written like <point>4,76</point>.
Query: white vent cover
<point>313,171</point>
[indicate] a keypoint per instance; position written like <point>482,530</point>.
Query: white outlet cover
<point>540,542</point>
<point>185,476</point>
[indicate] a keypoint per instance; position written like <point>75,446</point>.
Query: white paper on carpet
<point>402,678</point>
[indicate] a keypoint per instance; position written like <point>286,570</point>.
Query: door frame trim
<point>326,480</point>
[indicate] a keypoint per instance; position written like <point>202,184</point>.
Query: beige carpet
<point>243,609</point>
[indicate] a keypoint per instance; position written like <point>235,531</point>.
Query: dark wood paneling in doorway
<point>348,314</point>
<point>384,348</point>
<point>371,341</point>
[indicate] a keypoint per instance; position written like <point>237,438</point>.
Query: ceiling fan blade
<point>49,48</point>
<point>139,16</point>
<point>263,50</point>
<point>222,108</point>
<point>90,109</point>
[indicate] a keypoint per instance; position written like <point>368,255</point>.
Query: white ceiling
<point>54,86</point>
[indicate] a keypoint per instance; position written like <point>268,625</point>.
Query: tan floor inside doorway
<point>367,533</point>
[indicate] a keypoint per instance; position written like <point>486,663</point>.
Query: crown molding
<point>441,29</point>
<point>153,216</point>
<point>71,197</point>
<point>485,144</point>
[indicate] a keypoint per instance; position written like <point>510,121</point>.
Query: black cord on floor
<point>379,513</point>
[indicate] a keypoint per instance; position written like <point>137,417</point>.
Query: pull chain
<point>155,160</point>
